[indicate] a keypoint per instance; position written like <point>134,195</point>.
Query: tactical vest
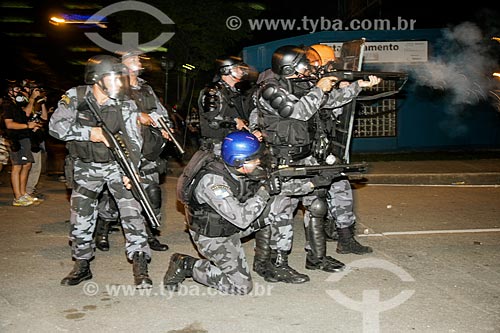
<point>144,98</point>
<point>88,151</point>
<point>202,218</point>
<point>219,106</point>
<point>153,142</point>
<point>290,139</point>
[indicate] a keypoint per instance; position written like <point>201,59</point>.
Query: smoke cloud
<point>463,67</point>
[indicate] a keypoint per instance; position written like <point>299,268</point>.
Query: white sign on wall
<point>391,52</point>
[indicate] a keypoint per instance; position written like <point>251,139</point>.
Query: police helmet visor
<point>115,85</point>
<point>133,63</point>
<point>138,63</point>
<point>238,71</point>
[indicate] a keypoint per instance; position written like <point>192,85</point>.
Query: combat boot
<point>331,233</point>
<point>101,234</point>
<point>348,244</point>
<point>279,271</point>
<point>140,269</point>
<point>180,268</point>
<point>153,242</point>
<point>262,258</point>
<point>81,272</point>
<point>325,263</point>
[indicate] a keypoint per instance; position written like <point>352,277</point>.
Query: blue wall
<point>427,120</point>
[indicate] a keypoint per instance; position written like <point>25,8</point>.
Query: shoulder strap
<point>80,96</point>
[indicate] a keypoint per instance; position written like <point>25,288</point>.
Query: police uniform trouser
<point>107,209</point>
<point>280,219</point>
<point>225,267</point>
<point>340,203</point>
<point>89,182</point>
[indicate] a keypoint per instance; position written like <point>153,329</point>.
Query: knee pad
<point>318,207</point>
<point>153,191</point>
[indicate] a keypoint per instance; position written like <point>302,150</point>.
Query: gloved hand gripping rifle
<point>129,168</point>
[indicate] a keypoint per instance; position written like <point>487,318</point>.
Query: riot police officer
<point>225,202</point>
<point>95,165</point>
<point>341,220</point>
<point>223,104</point>
<point>149,109</point>
<point>285,104</point>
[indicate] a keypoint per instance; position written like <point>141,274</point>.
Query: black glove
<point>272,185</point>
<point>321,181</point>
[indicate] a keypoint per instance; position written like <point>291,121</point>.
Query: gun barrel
<point>164,126</point>
<point>357,75</point>
<point>311,170</point>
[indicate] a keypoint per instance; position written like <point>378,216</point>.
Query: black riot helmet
<point>226,66</point>
<point>109,74</point>
<point>133,59</point>
<point>289,59</point>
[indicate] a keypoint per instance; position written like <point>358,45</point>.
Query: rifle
<point>327,171</point>
<point>363,75</point>
<point>129,168</point>
<point>165,127</point>
<point>348,75</point>
<point>324,170</point>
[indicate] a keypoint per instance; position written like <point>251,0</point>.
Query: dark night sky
<point>424,12</point>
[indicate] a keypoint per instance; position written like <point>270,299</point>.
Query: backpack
<point>199,159</point>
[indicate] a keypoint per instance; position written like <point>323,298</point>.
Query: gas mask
<point>21,99</point>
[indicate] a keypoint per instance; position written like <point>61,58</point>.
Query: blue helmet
<point>239,147</point>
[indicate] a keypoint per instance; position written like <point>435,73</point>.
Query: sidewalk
<point>449,172</point>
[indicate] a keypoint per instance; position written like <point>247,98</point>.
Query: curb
<point>471,178</point>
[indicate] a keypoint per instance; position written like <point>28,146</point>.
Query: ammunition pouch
<point>153,143</point>
<point>209,224</point>
<point>288,154</point>
<point>88,151</point>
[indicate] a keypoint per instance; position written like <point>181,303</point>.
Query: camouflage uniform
<point>90,178</point>
<point>267,119</point>
<point>225,267</point>
<point>341,203</point>
<point>149,169</point>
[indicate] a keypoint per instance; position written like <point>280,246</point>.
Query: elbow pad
<point>278,99</point>
<point>210,100</point>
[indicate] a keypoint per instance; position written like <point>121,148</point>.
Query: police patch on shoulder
<point>65,99</point>
<point>221,191</point>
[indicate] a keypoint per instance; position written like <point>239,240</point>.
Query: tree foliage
<point>201,34</point>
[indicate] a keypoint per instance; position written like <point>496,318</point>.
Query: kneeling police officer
<point>225,204</point>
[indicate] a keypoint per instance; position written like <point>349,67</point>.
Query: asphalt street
<point>435,266</point>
